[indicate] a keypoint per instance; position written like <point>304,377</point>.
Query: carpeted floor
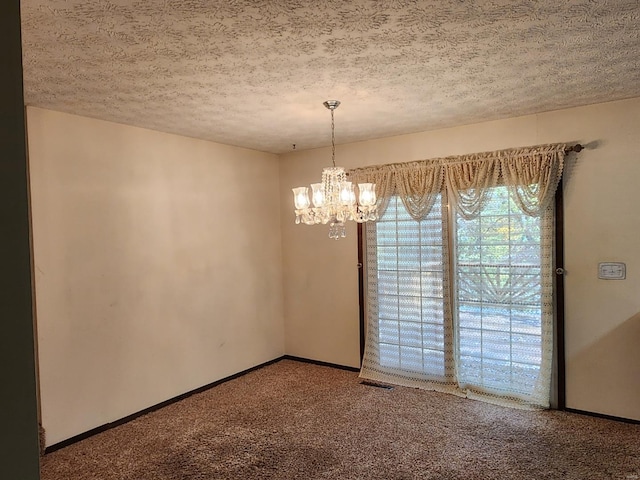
<point>292,420</point>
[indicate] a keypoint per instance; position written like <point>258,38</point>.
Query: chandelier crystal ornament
<point>334,200</point>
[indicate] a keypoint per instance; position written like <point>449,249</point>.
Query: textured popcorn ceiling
<point>255,73</point>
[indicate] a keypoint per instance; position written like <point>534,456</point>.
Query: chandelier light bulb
<point>318,195</point>
<point>301,197</point>
<point>367,194</point>
<point>345,193</point>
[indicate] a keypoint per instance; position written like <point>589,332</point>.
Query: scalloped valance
<point>531,174</point>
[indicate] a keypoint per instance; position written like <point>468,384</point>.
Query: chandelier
<point>334,199</point>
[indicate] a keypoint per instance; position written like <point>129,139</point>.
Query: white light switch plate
<point>612,271</point>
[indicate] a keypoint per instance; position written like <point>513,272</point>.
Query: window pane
<point>409,308</point>
<point>389,355</point>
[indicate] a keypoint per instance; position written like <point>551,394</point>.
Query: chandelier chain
<point>333,140</point>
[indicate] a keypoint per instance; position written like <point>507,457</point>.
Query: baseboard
<point>128,418</point>
<point>602,415</point>
<point>133,416</point>
<point>321,363</point>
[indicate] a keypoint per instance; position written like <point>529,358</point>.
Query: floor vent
<point>375,384</point>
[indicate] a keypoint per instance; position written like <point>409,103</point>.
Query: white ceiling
<point>255,73</point>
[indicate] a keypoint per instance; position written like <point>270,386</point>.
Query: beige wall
<point>157,266</point>
<point>602,224</point>
<point>146,288</point>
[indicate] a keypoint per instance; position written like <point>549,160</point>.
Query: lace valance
<point>531,174</point>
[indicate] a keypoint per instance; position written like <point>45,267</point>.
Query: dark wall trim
<point>361,288</point>
<point>322,364</point>
<point>133,416</point>
<point>122,421</point>
<point>559,373</point>
<point>602,415</point>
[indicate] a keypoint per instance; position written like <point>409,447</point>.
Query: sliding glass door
<point>462,305</point>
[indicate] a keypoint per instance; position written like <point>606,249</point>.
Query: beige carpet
<point>293,420</point>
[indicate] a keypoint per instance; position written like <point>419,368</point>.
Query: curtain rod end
<point>575,148</point>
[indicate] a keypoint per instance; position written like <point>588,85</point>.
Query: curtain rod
<point>575,148</point>
<point>571,148</point>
